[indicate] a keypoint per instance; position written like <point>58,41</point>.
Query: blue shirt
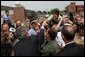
<point>32,32</point>
<point>5,17</point>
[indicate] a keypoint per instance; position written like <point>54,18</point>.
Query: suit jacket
<point>29,46</point>
<point>72,49</point>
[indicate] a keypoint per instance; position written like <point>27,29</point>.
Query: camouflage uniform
<point>51,48</point>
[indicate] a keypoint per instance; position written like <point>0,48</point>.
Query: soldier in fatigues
<point>52,47</point>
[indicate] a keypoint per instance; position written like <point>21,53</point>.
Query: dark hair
<point>68,34</point>
<point>54,11</point>
<point>6,11</point>
<point>33,22</point>
<point>52,22</point>
<point>71,17</point>
<point>6,49</point>
<point>52,33</point>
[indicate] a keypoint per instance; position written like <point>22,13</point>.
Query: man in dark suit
<point>30,46</point>
<point>71,48</point>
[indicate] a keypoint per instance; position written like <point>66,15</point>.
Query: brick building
<point>73,7</point>
<point>80,9</point>
<point>16,13</point>
<point>19,13</point>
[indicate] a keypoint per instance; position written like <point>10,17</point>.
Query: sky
<point>41,5</point>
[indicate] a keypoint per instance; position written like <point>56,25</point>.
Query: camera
<point>12,29</point>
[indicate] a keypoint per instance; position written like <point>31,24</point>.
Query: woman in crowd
<point>6,41</point>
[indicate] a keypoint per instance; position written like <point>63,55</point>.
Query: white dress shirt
<point>59,39</point>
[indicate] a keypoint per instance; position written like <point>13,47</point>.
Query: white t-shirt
<point>60,40</point>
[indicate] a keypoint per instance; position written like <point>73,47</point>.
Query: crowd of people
<point>55,36</point>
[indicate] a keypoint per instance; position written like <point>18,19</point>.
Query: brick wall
<point>72,7</point>
<point>19,13</point>
<point>75,8</point>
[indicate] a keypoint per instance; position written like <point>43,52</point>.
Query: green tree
<point>44,12</point>
<point>49,12</point>
<point>40,12</point>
